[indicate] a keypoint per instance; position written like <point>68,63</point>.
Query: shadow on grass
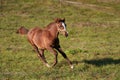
<point>101,62</point>
<point>77,62</point>
<point>96,62</point>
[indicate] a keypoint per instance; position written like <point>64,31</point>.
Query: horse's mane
<point>49,25</point>
<point>57,20</point>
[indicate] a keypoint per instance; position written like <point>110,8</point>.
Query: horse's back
<point>32,33</point>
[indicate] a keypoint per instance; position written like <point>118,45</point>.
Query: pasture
<point>93,44</point>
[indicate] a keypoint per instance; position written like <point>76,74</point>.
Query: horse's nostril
<point>66,34</point>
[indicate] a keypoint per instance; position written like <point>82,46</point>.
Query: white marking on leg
<point>48,65</point>
<point>72,66</point>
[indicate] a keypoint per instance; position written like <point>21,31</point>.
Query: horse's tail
<point>22,30</point>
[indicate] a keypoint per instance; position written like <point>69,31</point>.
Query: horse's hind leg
<point>55,53</point>
<point>41,55</point>
<point>65,56</point>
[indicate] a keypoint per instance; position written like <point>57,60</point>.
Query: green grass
<point>93,43</point>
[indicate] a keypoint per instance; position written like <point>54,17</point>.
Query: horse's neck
<point>52,28</point>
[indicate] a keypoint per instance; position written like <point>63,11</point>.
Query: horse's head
<point>61,26</point>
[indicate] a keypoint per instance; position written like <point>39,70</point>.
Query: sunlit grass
<point>93,44</point>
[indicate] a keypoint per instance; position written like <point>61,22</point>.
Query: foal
<point>47,39</point>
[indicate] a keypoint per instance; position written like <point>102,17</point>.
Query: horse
<point>47,39</point>
<point>22,30</point>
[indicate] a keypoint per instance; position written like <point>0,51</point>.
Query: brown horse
<point>47,39</point>
<point>22,30</point>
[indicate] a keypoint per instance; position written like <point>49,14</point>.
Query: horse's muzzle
<point>66,34</point>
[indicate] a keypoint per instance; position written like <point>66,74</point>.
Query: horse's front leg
<point>55,53</point>
<point>65,56</point>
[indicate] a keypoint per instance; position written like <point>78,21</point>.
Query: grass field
<point>93,43</point>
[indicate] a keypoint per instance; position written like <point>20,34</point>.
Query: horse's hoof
<point>48,65</point>
<point>71,66</point>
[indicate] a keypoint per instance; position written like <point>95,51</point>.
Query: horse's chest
<point>55,43</point>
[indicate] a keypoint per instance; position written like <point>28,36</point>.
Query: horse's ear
<point>63,19</point>
<point>57,20</point>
